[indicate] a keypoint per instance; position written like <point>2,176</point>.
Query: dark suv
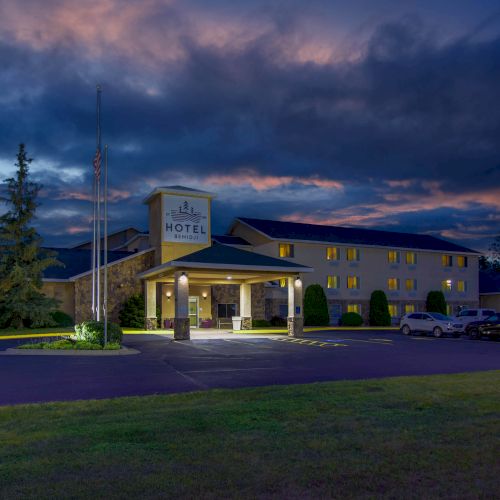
<point>489,327</point>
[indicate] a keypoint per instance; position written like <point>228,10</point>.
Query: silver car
<point>436,323</point>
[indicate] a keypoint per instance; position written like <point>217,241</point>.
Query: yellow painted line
<point>382,340</point>
<point>35,335</point>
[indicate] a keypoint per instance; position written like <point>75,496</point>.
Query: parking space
<point>166,366</point>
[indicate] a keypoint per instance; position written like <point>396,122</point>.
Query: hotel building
<point>260,268</point>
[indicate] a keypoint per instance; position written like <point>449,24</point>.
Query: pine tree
<point>22,261</point>
<point>315,306</point>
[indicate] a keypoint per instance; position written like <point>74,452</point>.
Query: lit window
<point>353,254</point>
<point>393,283</point>
<point>393,256</point>
<point>333,282</point>
<point>447,260</point>
<point>393,310</point>
<point>354,308</point>
<point>409,308</point>
<point>461,286</point>
<point>286,250</point>
<point>411,284</point>
<point>449,310</point>
<point>462,261</point>
<point>332,253</point>
<point>446,285</point>
<point>352,282</point>
<point>411,258</point>
<point>283,282</point>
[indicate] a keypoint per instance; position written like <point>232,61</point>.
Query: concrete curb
<point>124,351</point>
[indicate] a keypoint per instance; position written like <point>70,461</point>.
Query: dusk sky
<point>382,114</point>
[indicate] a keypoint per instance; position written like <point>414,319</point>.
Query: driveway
<point>228,361</point>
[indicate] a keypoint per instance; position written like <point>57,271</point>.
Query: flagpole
<point>93,244</point>
<point>105,244</point>
<point>98,232</point>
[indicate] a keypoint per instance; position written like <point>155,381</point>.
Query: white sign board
<point>185,219</point>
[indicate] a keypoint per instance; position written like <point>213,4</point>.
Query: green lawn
<point>416,437</point>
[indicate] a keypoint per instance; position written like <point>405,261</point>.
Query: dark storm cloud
<point>409,107</point>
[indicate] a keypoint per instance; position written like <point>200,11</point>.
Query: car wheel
<point>438,332</point>
<point>473,333</point>
<point>406,330</point>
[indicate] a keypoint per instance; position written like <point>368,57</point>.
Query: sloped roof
<point>230,256</point>
<point>77,261</point>
<point>348,235</point>
<point>489,282</point>
<point>226,239</point>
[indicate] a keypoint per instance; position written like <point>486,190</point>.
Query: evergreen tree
<point>379,309</point>
<point>315,306</point>
<point>22,261</point>
<point>435,302</point>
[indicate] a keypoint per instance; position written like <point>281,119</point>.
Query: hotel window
<point>332,253</point>
<point>411,258</point>
<point>447,260</point>
<point>333,282</point>
<point>411,284</point>
<point>286,250</point>
<point>393,310</point>
<point>393,256</point>
<point>353,254</point>
<point>449,310</point>
<point>393,283</point>
<point>283,282</point>
<point>462,261</point>
<point>461,286</point>
<point>446,285</point>
<point>409,308</point>
<point>354,308</point>
<point>353,282</point>
<point>226,310</point>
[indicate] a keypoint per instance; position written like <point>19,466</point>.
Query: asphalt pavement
<point>165,366</point>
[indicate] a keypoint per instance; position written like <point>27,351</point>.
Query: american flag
<point>97,163</point>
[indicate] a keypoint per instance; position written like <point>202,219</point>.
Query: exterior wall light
<point>183,278</point>
<point>204,295</point>
<point>169,295</point>
<point>229,278</point>
<point>298,282</point>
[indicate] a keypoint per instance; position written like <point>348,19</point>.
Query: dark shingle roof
<point>226,255</point>
<point>226,239</point>
<point>348,235</point>
<point>489,282</point>
<point>76,261</point>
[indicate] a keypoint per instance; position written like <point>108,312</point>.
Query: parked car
<point>429,322</point>
<point>488,327</point>
<point>467,316</point>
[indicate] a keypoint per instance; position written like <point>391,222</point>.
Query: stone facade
<point>230,294</point>
<point>122,283</point>
<point>295,327</point>
<point>181,329</point>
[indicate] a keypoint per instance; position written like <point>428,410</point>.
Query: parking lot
<point>229,361</point>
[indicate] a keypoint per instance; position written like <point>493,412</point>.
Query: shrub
<point>379,309</point>
<point>260,323</point>
<point>278,321</point>
<point>435,302</point>
<point>315,306</point>
<point>132,312</point>
<point>62,319</point>
<point>351,319</point>
<point>93,332</point>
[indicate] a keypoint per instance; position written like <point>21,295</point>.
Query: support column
<point>295,314</point>
<point>181,294</point>
<point>150,321</point>
<point>246,306</point>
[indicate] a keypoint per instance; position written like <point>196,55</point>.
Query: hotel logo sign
<point>185,219</point>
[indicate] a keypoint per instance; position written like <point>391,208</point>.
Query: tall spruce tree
<point>22,261</point>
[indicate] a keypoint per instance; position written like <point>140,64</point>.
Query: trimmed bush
<point>93,332</point>
<point>260,323</point>
<point>435,302</point>
<point>278,321</point>
<point>379,309</point>
<point>62,319</point>
<point>132,312</point>
<point>315,306</point>
<point>351,319</point>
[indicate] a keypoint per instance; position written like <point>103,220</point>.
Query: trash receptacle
<point>236,322</point>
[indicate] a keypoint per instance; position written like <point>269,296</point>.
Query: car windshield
<point>440,317</point>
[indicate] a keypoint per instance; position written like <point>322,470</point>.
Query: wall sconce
<point>169,295</point>
<point>298,282</point>
<point>183,278</point>
<point>204,295</point>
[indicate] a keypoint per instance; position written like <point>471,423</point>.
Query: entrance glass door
<point>193,311</point>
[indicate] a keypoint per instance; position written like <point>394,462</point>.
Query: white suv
<point>436,323</point>
<point>467,316</point>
